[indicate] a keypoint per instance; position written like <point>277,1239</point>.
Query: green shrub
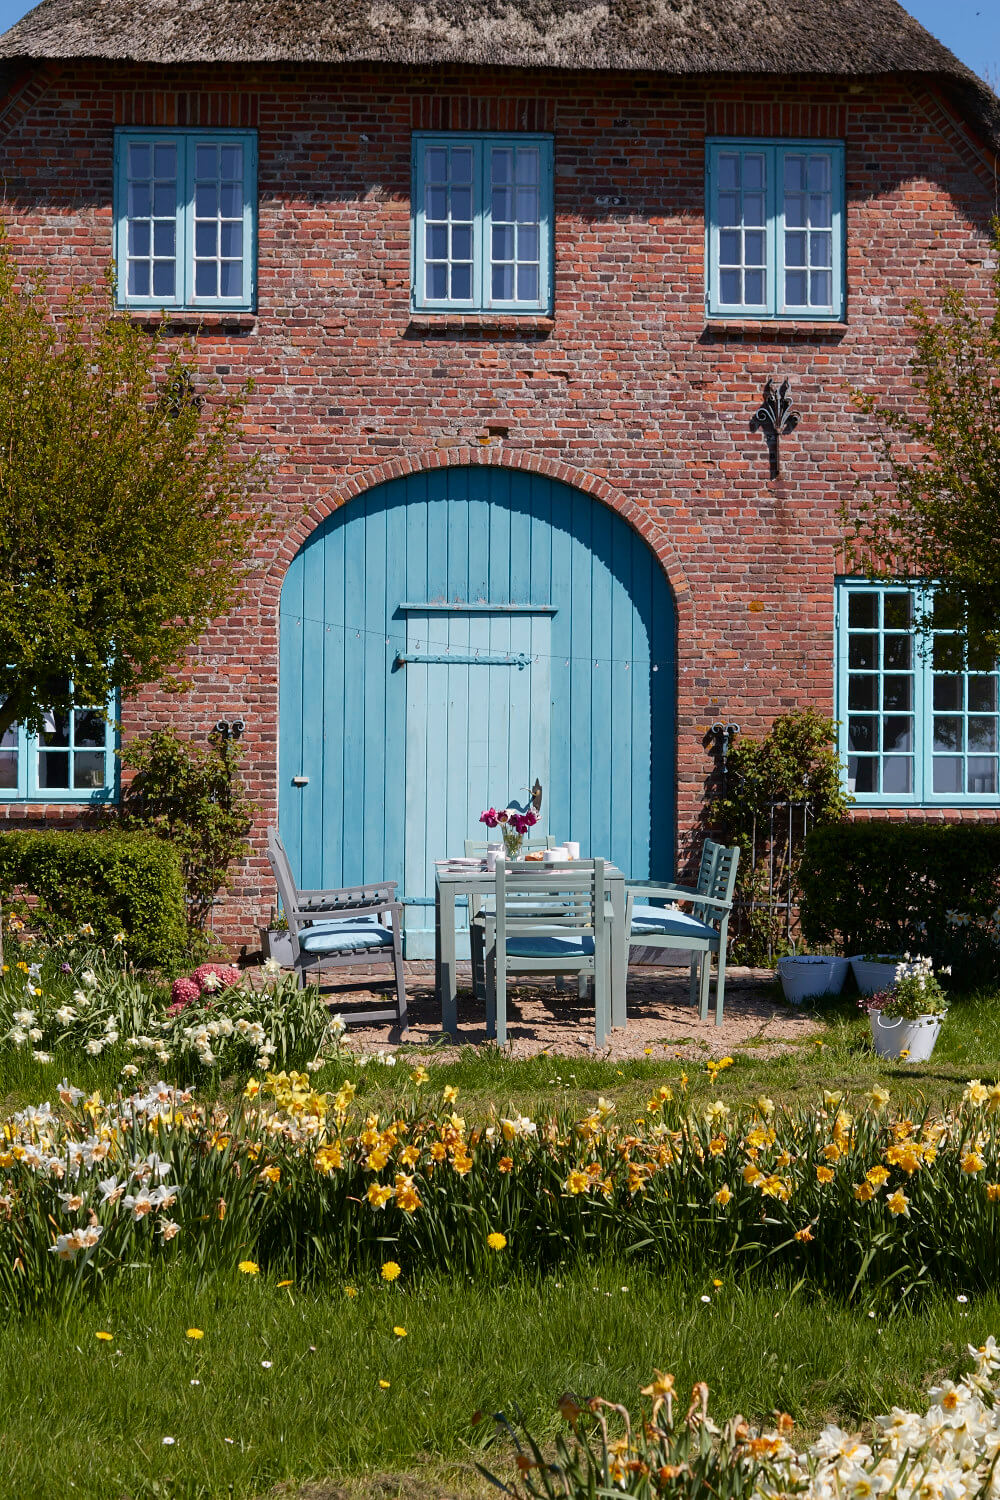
<point>896,887</point>
<point>797,762</point>
<point>116,882</point>
<point>192,797</point>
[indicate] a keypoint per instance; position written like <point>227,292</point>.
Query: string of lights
<point>462,652</point>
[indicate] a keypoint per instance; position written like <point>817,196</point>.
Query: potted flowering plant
<point>906,1019</point>
<point>513,825</point>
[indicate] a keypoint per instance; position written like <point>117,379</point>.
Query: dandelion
<point>351,1292</point>
<point>283,1284</point>
<point>248,1267</point>
<point>104,1337</point>
<point>194,1333</point>
<point>399,1332</point>
<point>496,1240</point>
<point>390,1270</point>
<point>384,1384</point>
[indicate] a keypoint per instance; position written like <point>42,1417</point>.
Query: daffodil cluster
<point>846,1195</point>
<point>948,1453</point>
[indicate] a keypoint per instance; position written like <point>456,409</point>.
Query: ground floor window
<point>917,717</point>
<point>71,760</point>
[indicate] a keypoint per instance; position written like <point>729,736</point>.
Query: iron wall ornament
<point>774,418</point>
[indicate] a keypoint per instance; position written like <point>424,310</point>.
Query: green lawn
<point>87,1416</point>
<point>287,1386</point>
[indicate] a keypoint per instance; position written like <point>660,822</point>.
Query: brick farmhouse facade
<point>627,391</point>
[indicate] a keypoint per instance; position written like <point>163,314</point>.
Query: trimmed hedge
<point>118,882</point>
<point>888,887</point>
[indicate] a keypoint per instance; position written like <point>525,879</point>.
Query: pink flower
<point>209,977</point>
<point>183,992</point>
<point>490,817</point>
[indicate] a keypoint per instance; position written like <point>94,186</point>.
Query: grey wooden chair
<point>349,928</point>
<point>476,849</point>
<point>702,931</point>
<point>547,919</point>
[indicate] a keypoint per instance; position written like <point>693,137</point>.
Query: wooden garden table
<point>449,884</point>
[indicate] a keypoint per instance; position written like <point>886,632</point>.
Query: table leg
<point>619,949</point>
<point>446,973</point>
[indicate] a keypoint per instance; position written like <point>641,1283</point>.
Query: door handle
<point>300,781</point>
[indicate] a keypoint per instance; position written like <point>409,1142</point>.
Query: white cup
<point>490,862</point>
<point>572,851</point>
<point>552,856</point>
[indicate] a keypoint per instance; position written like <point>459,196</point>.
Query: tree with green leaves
<point>938,515</point>
<point>124,515</point>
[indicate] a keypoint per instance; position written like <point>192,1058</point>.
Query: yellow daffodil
<point>420,1076</point>
<point>449,1093</point>
<point>898,1203</point>
<point>972,1162</point>
<point>824,1174</point>
<point>723,1196</point>
<point>804,1235</point>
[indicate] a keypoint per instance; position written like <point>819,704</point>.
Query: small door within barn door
<point>478,701</point>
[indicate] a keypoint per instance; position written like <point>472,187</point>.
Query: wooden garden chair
<point>547,919</point>
<point>703,931</point>
<point>476,849</point>
<point>348,928</point>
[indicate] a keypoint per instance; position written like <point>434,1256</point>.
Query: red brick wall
<point>627,391</point>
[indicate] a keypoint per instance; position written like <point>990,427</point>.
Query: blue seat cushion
<point>550,947</point>
<point>345,935</point>
<point>663,921</point>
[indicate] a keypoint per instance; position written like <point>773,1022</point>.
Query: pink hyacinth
<point>183,992</point>
<point>224,974</point>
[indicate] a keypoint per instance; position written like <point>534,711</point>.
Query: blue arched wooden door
<point>447,638</point>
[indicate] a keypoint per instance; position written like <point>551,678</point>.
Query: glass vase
<point>512,841</point>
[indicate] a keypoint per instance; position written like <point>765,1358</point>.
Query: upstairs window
<point>185,217</point>
<point>775,228</point>
<point>918,718</point>
<point>72,760</point>
<point>482,223</point>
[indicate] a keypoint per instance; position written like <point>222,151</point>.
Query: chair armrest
<point>672,892</point>
<point>675,892</point>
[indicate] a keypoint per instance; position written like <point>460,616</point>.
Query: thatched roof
<point>845,38</point>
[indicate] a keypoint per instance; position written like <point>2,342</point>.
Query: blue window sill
<point>901,804</point>
<point>59,797</point>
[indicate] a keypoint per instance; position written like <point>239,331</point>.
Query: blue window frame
<point>72,760</point>
<point>185,218</point>
<point>774,229</point>
<point>482,222</point>
<point>918,720</point>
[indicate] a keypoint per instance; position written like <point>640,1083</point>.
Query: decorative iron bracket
<point>774,418</point>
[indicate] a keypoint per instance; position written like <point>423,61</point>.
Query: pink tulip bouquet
<point>513,825</point>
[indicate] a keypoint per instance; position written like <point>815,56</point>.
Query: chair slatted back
<point>561,899</point>
<point>716,878</point>
<point>302,906</point>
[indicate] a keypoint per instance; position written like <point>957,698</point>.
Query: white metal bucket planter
<point>806,976</point>
<point>893,1036</point>
<point>872,975</point>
